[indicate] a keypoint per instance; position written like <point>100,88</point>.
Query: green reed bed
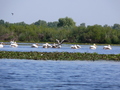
<point>58,56</point>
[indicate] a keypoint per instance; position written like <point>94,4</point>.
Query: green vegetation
<point>58,56</point>
<point>64,28</point>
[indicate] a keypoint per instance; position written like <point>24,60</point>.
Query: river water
<point>16,74</point>
<point>26,47</point>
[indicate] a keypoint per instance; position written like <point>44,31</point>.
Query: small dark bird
<point>12,13</point>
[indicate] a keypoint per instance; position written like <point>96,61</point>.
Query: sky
<point>90,12</point>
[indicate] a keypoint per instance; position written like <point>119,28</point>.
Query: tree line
<point>64,28</point>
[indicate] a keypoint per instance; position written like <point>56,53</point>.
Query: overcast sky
<point>90,12</point>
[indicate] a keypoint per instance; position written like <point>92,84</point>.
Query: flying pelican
<point>59,44</point>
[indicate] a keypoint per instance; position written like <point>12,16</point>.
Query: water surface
<point>16,74</point>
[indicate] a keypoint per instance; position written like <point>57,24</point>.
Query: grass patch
<point>58,56</point>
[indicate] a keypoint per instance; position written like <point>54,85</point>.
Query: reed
<point>58,56</point>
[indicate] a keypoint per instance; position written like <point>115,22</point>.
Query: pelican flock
<point>56,45</point>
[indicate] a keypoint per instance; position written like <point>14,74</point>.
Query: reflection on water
<point>18,74</point>
<point>26,47</point>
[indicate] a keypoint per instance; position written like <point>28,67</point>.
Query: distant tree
<point>1,21</point>
<point>115,39</point>
<point>82,24</point>
<point>41,31</point>
<point>94,33</point>
<point>21,23</point>
<point>52,24</point>
<point>105,25</point>
<point>65,22</point>
<point>41,23</point>
<point>116,26</point>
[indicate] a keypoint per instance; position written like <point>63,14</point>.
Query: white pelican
<point>47,45</point>
<point>107,47</point>
<point>75,46</point>
<point>94,46</point>
<point>35,45</point>
<point>59,44</point>
<point>59,41</point>
<point>54,45</point>
<point>13,44</point>
<point>1,45</point>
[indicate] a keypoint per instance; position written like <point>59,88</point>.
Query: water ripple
<point>18,74</point>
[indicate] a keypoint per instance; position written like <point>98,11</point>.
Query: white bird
<point>75,46</point>
<point>35,45</point>
<point>94,46</point>
<point>1,45</point>
<point>47,45</point>
<point>107,47</point>
<point>59,43</point>
<point>13,44</point>
<point>54,45</point>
